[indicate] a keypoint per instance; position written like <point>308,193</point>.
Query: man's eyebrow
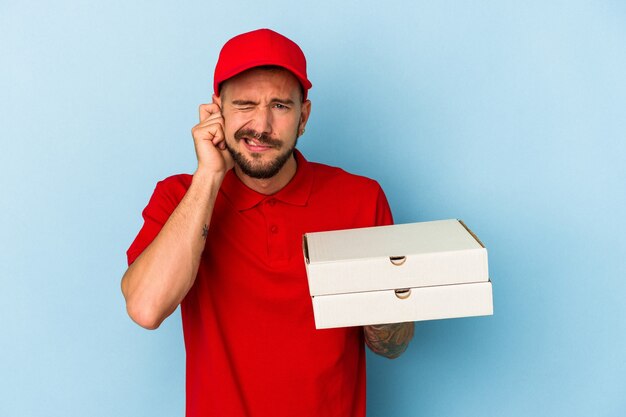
<point>244,102</point>
<point>282,101</point>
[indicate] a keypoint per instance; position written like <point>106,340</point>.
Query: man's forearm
<point>389,340</point>
<point>162,275</point>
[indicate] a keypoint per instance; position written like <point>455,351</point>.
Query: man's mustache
<point>262,138</point>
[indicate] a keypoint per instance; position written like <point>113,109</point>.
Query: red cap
<point>257,48</point>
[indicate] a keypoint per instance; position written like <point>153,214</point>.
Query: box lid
<point>391,257</point>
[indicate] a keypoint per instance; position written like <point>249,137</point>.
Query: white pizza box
<point>390,274</point>
<point>412,304</point>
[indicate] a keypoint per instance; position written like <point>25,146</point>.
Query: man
<point>225,244</point>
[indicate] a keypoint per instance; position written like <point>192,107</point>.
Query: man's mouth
<point>256,141</point>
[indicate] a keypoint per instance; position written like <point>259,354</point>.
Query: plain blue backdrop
<point>508,115</point>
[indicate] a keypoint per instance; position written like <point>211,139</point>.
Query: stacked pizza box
<point>391,274</point>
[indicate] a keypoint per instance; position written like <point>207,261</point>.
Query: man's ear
<point>305,112</point>
<point>217,100</point>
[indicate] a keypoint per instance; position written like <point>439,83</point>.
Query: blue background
<point>509,115</point>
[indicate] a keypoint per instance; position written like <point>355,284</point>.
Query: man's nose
<point>262,120</point>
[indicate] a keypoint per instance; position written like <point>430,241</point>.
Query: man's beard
<point>259,171</point>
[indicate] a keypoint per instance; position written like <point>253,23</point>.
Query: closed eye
<point>243,105</point>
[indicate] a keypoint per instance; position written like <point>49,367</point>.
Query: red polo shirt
<point>251,343</point>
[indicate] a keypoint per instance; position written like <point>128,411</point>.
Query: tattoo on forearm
<point>205,231</point>
<point>389,340</point>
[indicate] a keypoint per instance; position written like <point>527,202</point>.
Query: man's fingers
<point>213,132</point>
<point>215,118</point>
<point>211,119</point>
<point>218,135</point>
<point>207,110</point>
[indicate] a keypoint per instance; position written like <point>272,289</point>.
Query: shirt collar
<point>296,192</point>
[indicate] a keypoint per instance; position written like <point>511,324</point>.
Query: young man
<point>225,244</point>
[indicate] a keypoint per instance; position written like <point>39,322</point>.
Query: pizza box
<point>390,274</point>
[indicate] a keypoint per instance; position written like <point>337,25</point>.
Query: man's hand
<point>389,340</point>
<point>209,140</point>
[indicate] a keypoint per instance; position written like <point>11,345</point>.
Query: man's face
<point>263,117</point>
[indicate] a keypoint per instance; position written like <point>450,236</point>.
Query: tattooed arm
<point>158,280</point>
<point>388,340</point>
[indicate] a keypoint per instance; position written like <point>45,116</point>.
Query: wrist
<point>207,179</point>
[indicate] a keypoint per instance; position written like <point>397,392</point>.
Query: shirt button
<point>274,229</point>
<point>271,202</point>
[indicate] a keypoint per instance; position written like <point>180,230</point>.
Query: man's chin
<point>260,165</point>
<point>254,167</point>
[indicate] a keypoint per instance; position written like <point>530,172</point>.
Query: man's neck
<point>272,185</point>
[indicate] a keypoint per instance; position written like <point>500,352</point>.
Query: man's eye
<point>280,106</point>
